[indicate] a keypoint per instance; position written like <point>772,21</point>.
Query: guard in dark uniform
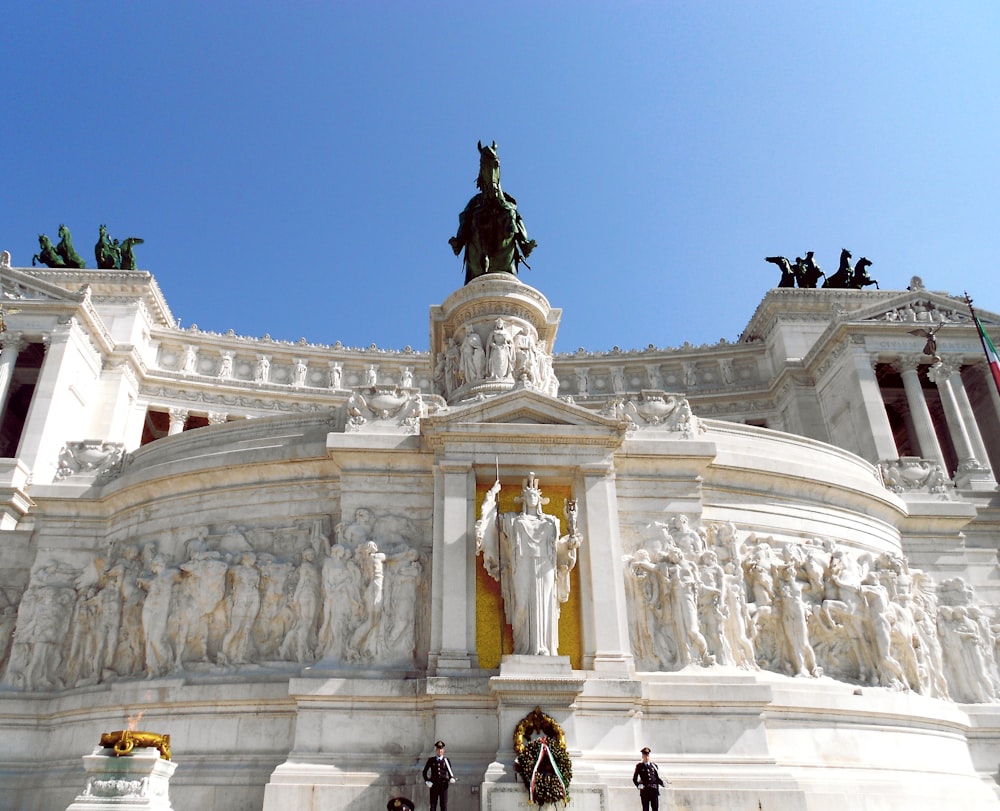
<point>438,775</point>
<point>647,779</point>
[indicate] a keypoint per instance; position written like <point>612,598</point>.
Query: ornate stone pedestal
<point>139,780</point>
<point>490,336</point>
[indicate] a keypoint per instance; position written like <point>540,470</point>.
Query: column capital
<point>941,371</point>
<point>13,341</point>
<point>909,362</point>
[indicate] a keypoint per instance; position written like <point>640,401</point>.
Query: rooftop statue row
<point>489,228</point>
<point>805,272</point>
<point>111,254</point>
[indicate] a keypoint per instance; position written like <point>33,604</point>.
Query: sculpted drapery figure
<point>523,551</point>
<point>489,228</point>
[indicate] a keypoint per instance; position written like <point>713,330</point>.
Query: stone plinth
<point>507,797</point>
<point>139,780</point>
<point>491,335</point>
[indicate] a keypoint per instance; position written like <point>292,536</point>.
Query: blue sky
<point>297,168</point>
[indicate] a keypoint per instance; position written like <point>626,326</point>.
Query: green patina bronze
<point>112,254</point>
<point>47,255</point>
<point>490,229</point>
<point>66,250</point>
<point>128,255</point>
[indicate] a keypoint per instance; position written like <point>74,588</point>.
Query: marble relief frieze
<point>805,607</point>
<point>228,597</point>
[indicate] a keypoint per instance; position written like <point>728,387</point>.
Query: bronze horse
<point>490,229</point>
<point>851,278</point>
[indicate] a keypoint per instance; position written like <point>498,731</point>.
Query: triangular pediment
<point>523,421</point>
<point>922,306</point>
<point>18,285</point>
<point>72,285</point>
<point>526,407</point>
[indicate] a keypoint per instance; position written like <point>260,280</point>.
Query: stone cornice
<point>110,285</point>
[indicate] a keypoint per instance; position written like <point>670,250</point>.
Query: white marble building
<point>778,570</point>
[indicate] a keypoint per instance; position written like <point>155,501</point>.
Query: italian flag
<point>992,356</point>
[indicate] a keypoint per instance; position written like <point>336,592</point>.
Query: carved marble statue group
<point>804,272</point>
<point>234,597</point>
<point>805,608</point>
<point>111,254</point>
<point>499,351</point>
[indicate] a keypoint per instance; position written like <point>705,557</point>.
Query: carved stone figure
<point>526,360</point>
<point>364,644</point>
<point>299,373</point>
<point>129,657</point>
<point>226,366</point>
<point>618,384</point>
<point>522,551</point>
<point>159,586</point>
<point>201,589</point>
<point>713,608</point>
<point>299,644</point>
<point>353,534</point>
<point>371,375</point>
<point>682,588</point>
<point>452,365</point>
<point>342,602</point>
<point>791,611</point>
<point>500,353</point>
<point>189,361</point>
<point>336,374</point>
<point>738,623</point>
<point>243,604</point>
<point>439,376</point>
<point>275,615</point>
<point>82,665</point>
<point>262,372</point>
<point>473,365</point>
<point>406,378</point>
<point>403,587</point>
<point>490,229</point>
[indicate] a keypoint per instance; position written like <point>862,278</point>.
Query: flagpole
<point>992,360</point>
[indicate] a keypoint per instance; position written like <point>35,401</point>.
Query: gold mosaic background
<point>489,606</point>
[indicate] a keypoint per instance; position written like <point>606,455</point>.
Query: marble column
<point>969,417</point>
<point>883,445</point>
<point>970,473</point>
<point>178,418</point>
<point>602,576</point>
<point>12,343</point>
<point>453,591</point>
<point>927,440</point>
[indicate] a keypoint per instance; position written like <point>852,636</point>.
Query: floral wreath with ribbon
<point>543,763</point>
